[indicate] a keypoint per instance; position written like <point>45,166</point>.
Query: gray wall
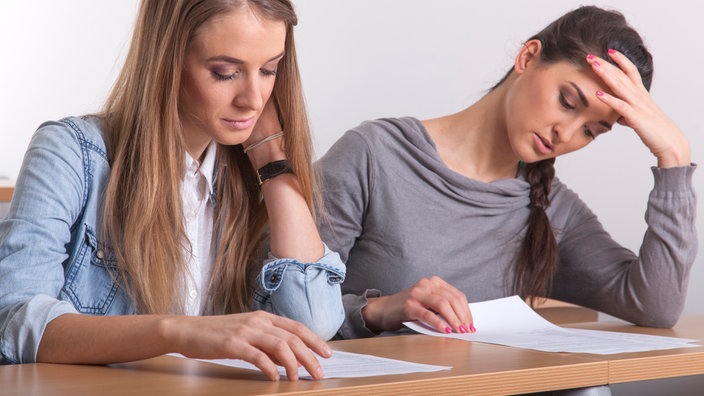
<point>364,59</point>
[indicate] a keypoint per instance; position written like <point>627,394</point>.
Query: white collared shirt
<point>198,212</point>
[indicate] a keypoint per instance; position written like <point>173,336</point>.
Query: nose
<point>564,132</point>
<point>249,95</point>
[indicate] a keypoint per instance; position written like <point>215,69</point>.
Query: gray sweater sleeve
<point>341,219</point>
<point>647,289</point>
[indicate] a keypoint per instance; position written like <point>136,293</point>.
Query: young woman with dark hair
<point>429,215</point>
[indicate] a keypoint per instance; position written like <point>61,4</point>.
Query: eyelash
<point>227,77</point>
<point>563,101</point>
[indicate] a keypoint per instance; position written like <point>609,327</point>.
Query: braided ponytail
<point>538,257</point>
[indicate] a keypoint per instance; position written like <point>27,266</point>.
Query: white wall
<point>364,59</point>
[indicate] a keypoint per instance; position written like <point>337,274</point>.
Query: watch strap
<point>273,169</point>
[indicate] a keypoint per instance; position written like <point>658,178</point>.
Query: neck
<point>474,142</point>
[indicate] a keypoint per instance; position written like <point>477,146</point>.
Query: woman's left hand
<point>632,101</point>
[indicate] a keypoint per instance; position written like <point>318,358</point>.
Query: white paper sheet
<point>343,365</point>
<point>510,321</point>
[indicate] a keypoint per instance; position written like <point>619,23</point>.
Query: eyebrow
<point>582,98</point>
<point>585,102</point>
<point>229,59</point>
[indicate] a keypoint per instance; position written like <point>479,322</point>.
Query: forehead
<point>582,78</point>
<point>242,33</point>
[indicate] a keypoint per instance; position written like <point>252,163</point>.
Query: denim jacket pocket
<point>91,279</point>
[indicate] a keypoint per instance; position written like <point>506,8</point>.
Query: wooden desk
<point>6,192</point>
<point>478,369</point>
<point>627,367</point>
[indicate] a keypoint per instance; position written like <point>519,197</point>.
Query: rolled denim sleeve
<point>306,292</point>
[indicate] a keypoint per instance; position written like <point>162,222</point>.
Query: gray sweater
<point>396,213</point>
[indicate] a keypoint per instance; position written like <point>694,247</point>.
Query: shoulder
<point>384,136</point>
<point>390,130</point>
<point>81,134</point>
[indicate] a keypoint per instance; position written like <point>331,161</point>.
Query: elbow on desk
<point>654,316</point>
<point>666,321</point>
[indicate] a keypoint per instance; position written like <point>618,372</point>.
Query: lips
<point>542,144</point>
<point>239,124</point>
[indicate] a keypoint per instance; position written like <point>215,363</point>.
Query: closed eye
<point>565,103</point>
<point>224,77</point>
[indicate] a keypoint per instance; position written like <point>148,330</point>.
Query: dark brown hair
<point>585,30</point>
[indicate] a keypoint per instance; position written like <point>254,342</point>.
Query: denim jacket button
<point>99,254</point>
<point>273,278</point>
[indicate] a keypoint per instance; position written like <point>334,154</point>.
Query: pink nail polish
<point>472,329</point>
<point>448,330</point>
<point>599,93</point>
<point>611,51</point>
<point>463,329</point>
<point>590,56</point>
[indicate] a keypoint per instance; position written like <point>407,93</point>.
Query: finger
<point>291,351</point>
<point>260,359</point>
<point>620,106</point>
<point>626,65</point>
<point>310,339</point>
<point>444,307</point>
<point>419,312</point>
<point>458,303</point>
<point>306,358</point>
<point>616,79</point>
<point>278,349</point>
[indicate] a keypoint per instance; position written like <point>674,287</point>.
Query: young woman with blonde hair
<point>183,198</point>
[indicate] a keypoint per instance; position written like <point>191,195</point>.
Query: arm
<point>648,289</point>
<point>307,268</point>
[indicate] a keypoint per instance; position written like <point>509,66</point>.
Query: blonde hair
<point>143,221</point>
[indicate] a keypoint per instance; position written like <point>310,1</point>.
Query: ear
<point>528,53</point>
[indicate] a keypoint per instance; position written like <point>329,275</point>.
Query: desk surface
<point>480,369</point>
<point>6,191</point>
<point>627,367</point>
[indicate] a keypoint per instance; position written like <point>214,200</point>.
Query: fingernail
<point>448,330</point>
<point>472,329</point>
<point>327,351</point>
<point>611,51</point>
<point>590,56</point>
<point>596,63</point>
<point>599,93</point>
<point>463,329</point>
<point>319,373</point>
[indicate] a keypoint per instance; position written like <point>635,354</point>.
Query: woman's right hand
<point>260,338</point>
<point>422,301</point>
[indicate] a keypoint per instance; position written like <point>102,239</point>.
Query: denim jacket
<point>52,262</point>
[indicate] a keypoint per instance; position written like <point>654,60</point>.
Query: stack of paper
<point>510,321</point>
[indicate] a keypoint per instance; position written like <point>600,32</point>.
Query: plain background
<point>365,59</point>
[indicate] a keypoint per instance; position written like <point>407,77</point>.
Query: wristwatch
<point>273,169</point>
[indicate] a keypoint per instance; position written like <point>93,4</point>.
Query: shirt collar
<point>206,167</point>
